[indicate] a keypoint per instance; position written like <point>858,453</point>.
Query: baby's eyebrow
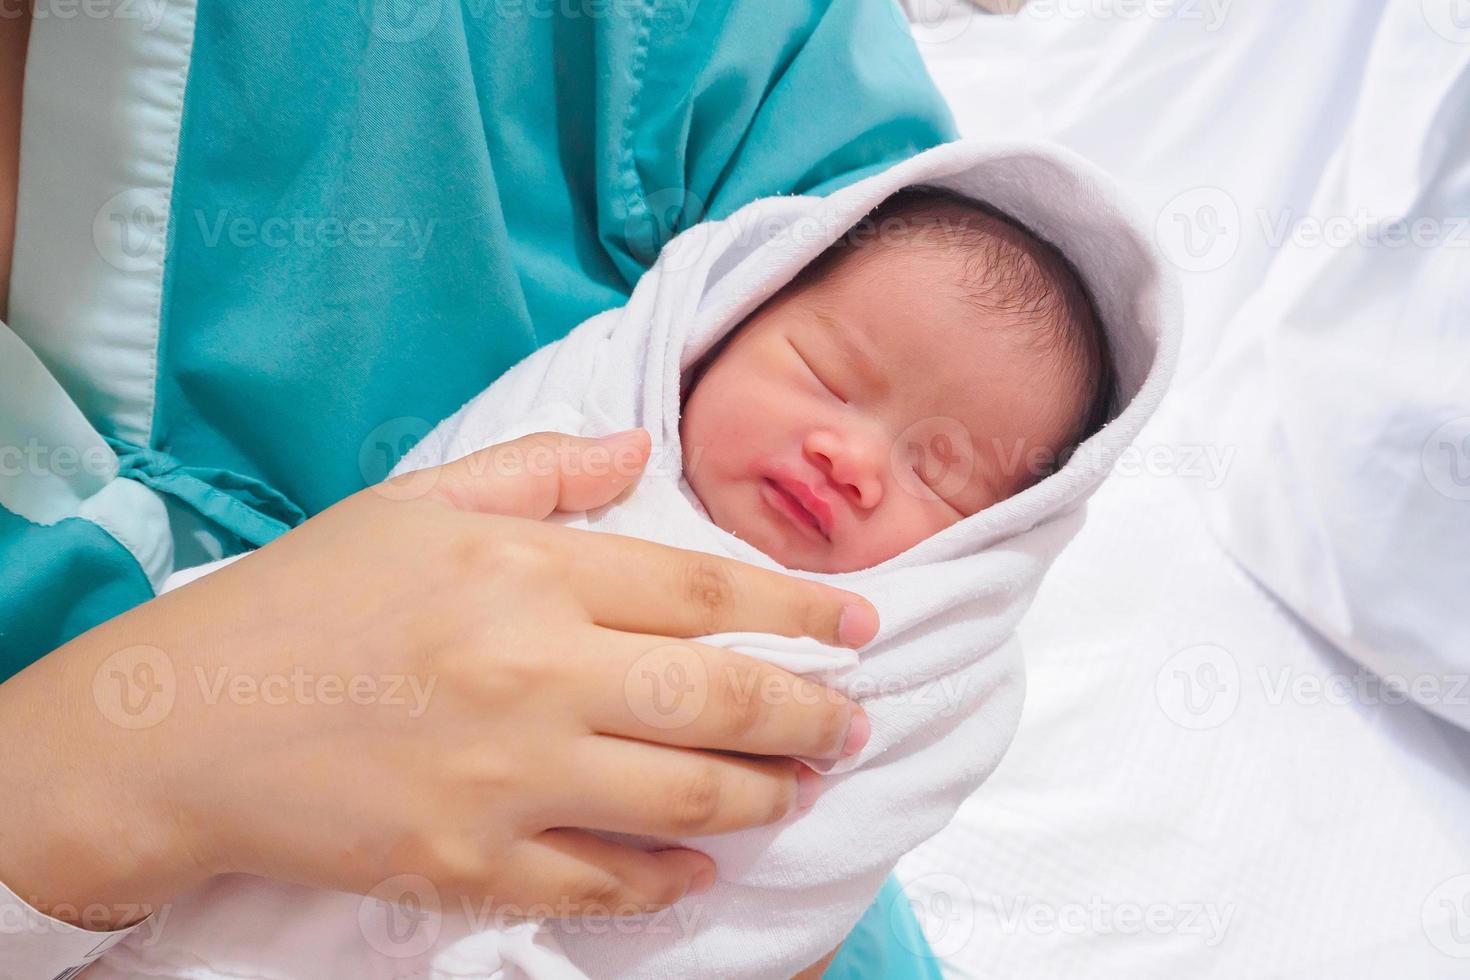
<point>859,359</point>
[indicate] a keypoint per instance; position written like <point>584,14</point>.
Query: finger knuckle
<point>661,894</point>
<point>816,616</point>
<point>783,796</point>
<point>710,589</point>
<point>512,555</point>
<point>744,711</point>
<point>696,802</point>
<point>602,892</point>
<point>448,861</point>
<point>508,667</point>
<point>481,774</point>
<point>832,723</point>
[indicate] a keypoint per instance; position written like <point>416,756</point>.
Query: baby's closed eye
<point>822,376</point>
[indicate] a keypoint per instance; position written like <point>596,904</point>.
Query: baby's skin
<point>854,416</point>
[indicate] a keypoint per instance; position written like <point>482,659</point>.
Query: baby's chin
<point>805,556</point>
<point>747,518</point>
<point>789,550</point>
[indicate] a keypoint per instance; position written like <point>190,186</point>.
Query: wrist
<point>86,834</point>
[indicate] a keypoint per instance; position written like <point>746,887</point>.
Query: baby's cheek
<point>906,522</point>
<point>718,438</point>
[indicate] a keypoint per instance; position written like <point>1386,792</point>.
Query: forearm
<point>85,832</point>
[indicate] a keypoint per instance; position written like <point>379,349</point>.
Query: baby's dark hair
<point>1011,273</point>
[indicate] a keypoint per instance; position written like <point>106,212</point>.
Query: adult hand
<point>424,679</point>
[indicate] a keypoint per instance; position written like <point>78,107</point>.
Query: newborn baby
<point>897,409</point>
<point>937,360</point>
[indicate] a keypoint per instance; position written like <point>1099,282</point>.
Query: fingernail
<point>857,625</point>
<point>618,438</point>
<point>701,883</point>
<point>808,786</point>
<point>858,732</point>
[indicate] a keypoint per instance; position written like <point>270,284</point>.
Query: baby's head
<point>936,360</point>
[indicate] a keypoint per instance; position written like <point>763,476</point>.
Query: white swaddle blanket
<point>942,683</point>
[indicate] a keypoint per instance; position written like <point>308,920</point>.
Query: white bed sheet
<point>1201,785</point>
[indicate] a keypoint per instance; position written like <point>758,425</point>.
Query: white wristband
<point>34,946</point>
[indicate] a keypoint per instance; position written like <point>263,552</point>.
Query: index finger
<point>640,586</point>
<point>689,695</point>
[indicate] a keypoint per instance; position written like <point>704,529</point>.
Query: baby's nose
<point>854,464</point>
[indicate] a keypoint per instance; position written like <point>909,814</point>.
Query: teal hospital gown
<point>378,207</point>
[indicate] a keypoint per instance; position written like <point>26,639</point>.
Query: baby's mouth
<point>790,506</point>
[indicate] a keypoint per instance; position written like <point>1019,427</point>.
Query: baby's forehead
<point>915,318</point>
<point>905,320</point>
<point>993,264</point>
<point>957,266</point>
<point>899,293</point>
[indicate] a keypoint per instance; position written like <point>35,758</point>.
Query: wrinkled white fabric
<point>1306,167</point>
<point>943,681</point>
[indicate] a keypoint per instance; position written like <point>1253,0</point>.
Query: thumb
<point>544,472</point>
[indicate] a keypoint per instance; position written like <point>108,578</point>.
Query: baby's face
<point>850,420</point>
